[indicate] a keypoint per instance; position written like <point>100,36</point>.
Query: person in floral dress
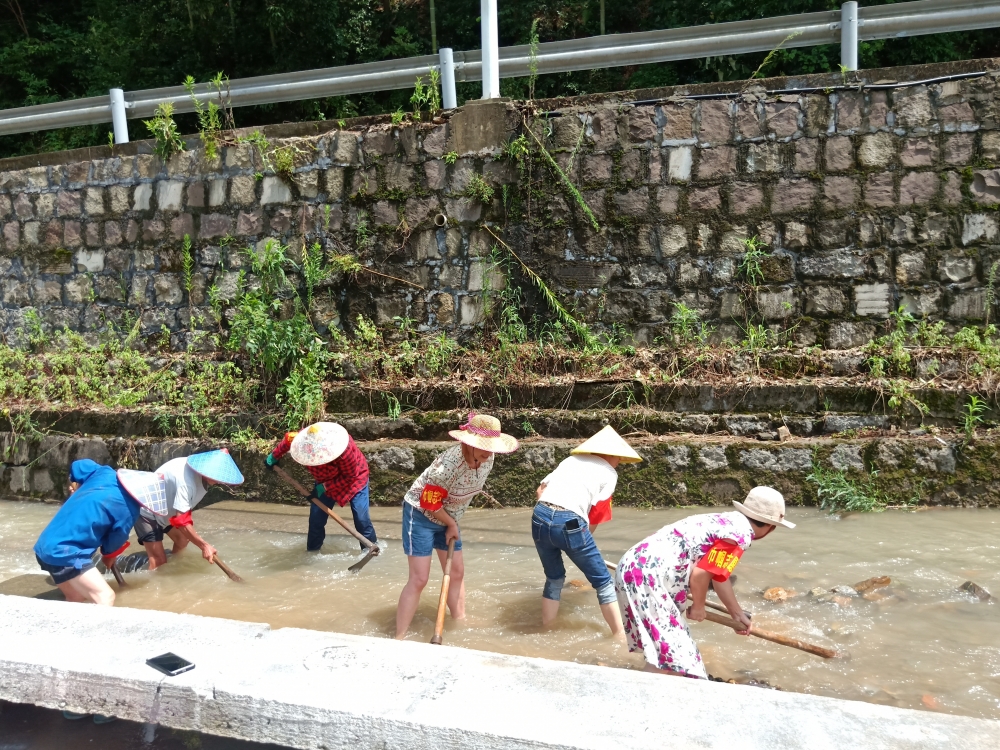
<point>669,573</point>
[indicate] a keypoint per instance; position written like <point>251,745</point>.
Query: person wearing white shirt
<point>572,501</point>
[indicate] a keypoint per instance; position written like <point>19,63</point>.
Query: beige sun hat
<point>319,444</point>
<point>609,443</point>
<point>483,431</point>
<point>764,504</point>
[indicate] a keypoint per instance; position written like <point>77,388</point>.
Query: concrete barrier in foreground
<point>308,689</point>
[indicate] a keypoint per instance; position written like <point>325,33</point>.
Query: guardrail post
<point>118,116</point>
<point>449,99</point>
<point>491,51</point>
<point>849,35</point>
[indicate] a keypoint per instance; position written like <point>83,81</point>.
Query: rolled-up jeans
<point>552,538</point>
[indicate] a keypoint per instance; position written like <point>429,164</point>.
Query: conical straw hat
<point>319,444</point>
<point>483,431</point>
<point>609,443</point>
<point>147,488</point>
<point>216,465</point>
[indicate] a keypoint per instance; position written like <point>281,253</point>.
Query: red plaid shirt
<point>342,478</point>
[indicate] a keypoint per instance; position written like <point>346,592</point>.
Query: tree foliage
<point>52,50</point>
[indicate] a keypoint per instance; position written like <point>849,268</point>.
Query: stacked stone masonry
<point>868,200</point>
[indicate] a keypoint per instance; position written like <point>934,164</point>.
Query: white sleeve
<point>184,494</point>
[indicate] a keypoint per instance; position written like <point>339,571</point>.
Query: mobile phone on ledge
<point>170,664</point>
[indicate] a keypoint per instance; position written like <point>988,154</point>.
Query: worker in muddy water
<point>572,501</point>
<point>340,472</point>
<point>671,571</point>
<point>186,481</point>
<point>99,514</point>
<point>433,508</point>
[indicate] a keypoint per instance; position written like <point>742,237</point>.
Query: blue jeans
<point>552,538</point>
<point>318,519</point>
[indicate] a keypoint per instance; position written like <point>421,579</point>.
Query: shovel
<point>373,549</point>
<point>443,600</point>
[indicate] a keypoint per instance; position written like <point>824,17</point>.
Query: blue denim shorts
<point>62,574</point>
<point>421,536</point>
<point>558,531</point>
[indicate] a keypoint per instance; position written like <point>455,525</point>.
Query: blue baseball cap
<point>216,465</point>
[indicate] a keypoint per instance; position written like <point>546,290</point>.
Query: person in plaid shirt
<point>340,471</point>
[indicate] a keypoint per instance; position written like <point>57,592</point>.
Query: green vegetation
<point>51,50</point>
<point>972,416</point>
<point>838,494</point>
<point>163,129</point>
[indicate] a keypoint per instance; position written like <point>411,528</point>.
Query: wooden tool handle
<point>826,653</point>
<point>443,600</point>
<point>117,573</point>
<point>226,569</point>
<point>305,493</point>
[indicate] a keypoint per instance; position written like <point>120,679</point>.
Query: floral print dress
<point>653,587</point>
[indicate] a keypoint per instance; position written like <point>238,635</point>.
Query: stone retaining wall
<point>869,198</point>
<point>678,471</point>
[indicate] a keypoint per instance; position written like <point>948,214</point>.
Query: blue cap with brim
<point>147,488</point>
<point>218,466</point>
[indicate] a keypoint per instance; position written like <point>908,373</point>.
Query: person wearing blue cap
<point>186,481</point>
<point>99,514</point>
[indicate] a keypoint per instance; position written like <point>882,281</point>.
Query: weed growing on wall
<point>972,416</point>
<point>837,493</point>
<point>164,131</point>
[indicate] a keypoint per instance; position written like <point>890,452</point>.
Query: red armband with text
<point>600,513</point>
<point>181,519</point>
<point>432,498</point>
<point>721,559</point>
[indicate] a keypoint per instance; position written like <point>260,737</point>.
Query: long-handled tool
<point>117,573</point>
<point>373,549</point>
<point>443,600</point>
<point>226,569</point>
<point>826,653</point>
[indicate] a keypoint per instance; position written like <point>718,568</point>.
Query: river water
<point>923,645</point>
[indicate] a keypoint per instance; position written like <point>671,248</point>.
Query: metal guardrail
<point>614,50</point>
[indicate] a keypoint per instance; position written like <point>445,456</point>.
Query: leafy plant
<point>532,58</point>
<point>451,157</point>
<point>751,266</point>
<point>900,397</point>
<point>837,493</point>
<point>972,416</point>
<point>687,326</point>
<point>398,116</point>
<point>164,131</point>
<point>428,96</point>
<point>187,264</point>
<point>209,116</point>
<point>393,406</point>
<point>479,189</point>
<point>572,189</point>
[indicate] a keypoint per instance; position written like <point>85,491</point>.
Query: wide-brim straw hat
<point>147,488</point>
<point>218,466</point>
<point>764,504</point>
<point>609,443</point>
<point>319,444</point>
<point>483,431</point>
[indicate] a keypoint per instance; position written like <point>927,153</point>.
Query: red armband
<point>721,559</point>
<point>181,519</point>
<point>600,513</point>
<point>432,498</point>
<point>110,558</point>
<point>285,445</point>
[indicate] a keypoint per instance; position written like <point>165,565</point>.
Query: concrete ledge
<point>308,689</point>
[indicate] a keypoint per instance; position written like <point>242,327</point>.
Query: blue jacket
<point>99,514</point>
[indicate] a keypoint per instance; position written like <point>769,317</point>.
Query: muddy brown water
<point>926,645</point>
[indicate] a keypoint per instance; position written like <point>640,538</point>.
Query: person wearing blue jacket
<point>99,514</point>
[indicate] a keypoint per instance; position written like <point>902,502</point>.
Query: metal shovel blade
<point>372,552</point>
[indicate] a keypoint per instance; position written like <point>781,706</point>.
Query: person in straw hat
<point>186,482</point>
<point>671,571</point>
<point>434,505</point>
<point>572,501</point>
<point>340,470</point>
<point>99,514</point>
